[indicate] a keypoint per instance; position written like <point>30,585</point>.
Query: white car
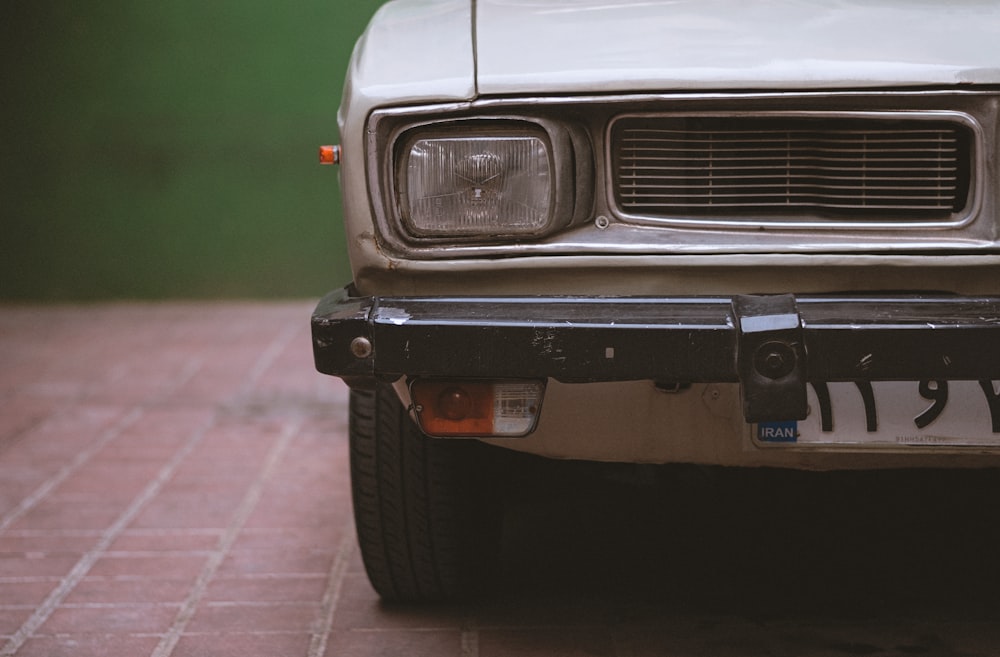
<point>742,233</point>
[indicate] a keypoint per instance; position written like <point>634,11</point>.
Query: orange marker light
<point>450,409</point>
<point>454,404</point>
<point>477,408</point>
<point>329,154</point>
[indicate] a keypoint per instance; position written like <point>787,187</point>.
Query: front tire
<point>426,510</point>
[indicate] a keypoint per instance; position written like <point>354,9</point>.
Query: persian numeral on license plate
<point>947,413</point>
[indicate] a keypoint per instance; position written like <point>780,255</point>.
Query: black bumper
<point>772,345</point>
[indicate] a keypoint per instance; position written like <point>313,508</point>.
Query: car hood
<point>559,46</point>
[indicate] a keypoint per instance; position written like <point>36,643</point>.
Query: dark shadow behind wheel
<point>427,511</point>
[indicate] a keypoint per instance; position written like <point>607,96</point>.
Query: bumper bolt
<point>774,360</point>
<point>361,347</point>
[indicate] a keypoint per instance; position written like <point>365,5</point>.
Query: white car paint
<point>413,51</point>
<point>526,46</point>
<point>423,50</point>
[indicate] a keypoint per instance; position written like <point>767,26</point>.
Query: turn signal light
<point>329,154</point>
<point>477,408</point>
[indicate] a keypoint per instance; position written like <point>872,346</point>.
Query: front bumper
<point>773,345</point>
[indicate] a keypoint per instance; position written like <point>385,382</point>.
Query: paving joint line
<point>86,562</point>
<point>261,603</point>
<point>331,596</point>
<point>267,357</point>
<point>169,641</point>
<point>46,487</point>
<point>105,438</point>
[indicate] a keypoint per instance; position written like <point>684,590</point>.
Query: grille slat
<point>833,169</point>
<point>940,170</point>
<point>765,176</point>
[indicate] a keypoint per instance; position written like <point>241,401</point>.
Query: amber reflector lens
<point>474,408</point>
<point>447,409</point>
<point>329,154</point>
<point>454,404</point>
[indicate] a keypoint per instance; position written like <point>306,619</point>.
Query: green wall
<point>168,149</point>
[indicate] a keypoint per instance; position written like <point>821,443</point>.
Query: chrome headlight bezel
<point>392,134</point>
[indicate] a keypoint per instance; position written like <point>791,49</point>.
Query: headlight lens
<point>476,186</point>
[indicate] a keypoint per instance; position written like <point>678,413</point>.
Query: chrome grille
<point>826,169</point>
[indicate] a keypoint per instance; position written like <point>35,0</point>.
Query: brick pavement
<point>173,481</point>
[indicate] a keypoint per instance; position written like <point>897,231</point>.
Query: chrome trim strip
<point>381,162</point>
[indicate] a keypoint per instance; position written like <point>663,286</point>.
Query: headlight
<point>477,186</point>
<point>440,183</point>
<point>485,185</point>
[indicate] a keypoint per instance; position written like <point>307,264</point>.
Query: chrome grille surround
<point>606,229</point>
<point>858,170</point>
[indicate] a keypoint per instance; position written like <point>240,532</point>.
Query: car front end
<point>662,232</point>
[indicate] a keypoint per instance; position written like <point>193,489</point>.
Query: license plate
<point>930,413</point>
